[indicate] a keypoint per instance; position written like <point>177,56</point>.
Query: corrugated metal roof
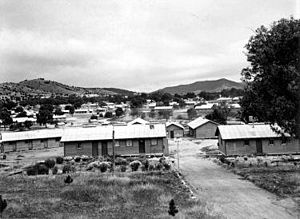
<point>24,119</point>
<point>121,132</point>
<point>199,122</point>
<point>30,135</point>
<point>205,106</point>
<point>174,123</point>
<point>138,121</point>
<point>246,131</point>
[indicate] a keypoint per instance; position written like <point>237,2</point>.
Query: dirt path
<point>226,192</point>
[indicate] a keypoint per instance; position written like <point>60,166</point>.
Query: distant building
<point>174,130</point>
<point>129,140</point>
<point>28,140</point>
<point>254,139</point>
<point>163,108</point>
<point>202,128</point>
<point>138,121</point>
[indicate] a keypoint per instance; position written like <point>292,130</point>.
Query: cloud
<point>139,44</point>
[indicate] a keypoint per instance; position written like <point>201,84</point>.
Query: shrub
<point>135,165</point>
<point>167,166</point>
<point>55,170</point>
<point>84,158</point>
<point>151,167</point>
<point>123,168</point>
<point>159,166</point>
<point>32,171</point>
<point>50,163</point>
<point>59,160</point>
<point>145,163</point>
<point>77,159</point>
<point>42,169</point>
<point>103,167</point>
<point>67,168</point>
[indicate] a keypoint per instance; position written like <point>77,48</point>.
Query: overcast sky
<point>139,45</point>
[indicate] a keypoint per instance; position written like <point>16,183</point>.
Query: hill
<point>208,86</point>
<point>41,86</point>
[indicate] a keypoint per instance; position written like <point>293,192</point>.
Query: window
<point>129,143</point>
<point>271,141</point>
<point>117,144</point>
<point>79,146</point>
<point>283,141</point>
<point>12,143</point>
<point>153,141</point>
<point>246,142</point>
<point>42,140</point>
<point>57,139</point>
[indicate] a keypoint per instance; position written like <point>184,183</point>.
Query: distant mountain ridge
<point>208,86</point>
<point>41,86</point>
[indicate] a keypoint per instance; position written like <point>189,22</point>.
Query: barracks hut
<point>254,139</point>
<point>28,140</point>
<point>129,140</point>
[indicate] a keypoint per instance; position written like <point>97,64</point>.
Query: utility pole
<point>113,150</point>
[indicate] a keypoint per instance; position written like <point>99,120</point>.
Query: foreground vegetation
<point>284,181</point>
<point>98,195</point>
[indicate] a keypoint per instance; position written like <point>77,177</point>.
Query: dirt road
<point>225,192</point>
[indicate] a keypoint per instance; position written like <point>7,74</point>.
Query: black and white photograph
<point>150,109</point>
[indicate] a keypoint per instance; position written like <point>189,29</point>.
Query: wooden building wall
<point>238,147</point>
<point>30,144</point>
<point>208,130</point>
<point>177,131</point>
<point>71,148</point>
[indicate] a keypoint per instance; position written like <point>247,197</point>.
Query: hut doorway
<point>259,149</point>
<point>95,149</point>
<point>104,150</point>
<point>142,146</point>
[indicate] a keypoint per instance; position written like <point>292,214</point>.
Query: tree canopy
<point>273,78</point>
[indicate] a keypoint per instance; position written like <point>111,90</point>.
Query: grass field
<point>96,195</point>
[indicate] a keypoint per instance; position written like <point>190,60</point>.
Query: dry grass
<point>94,195</point>
<point>282,180</point>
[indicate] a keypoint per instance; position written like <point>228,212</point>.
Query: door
<point>30,145</point>
<point>45,143</point>
<point>259,149</point>
<point>142,146</point>
<point>95,149</point>
<point>172,134</point>
<point>104,151</point>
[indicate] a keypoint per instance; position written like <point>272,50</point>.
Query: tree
<point>192,113</point>
<point>108,114</point>
<point>152,113</point>
<point>5,117</point>
<point>119,112</point>
<point>58,111</point>
<point>219,114</point>
<point>19,109</point>
<point>272,92</point>
<point>21,114</point>
<point>166,98</point>
<point>45,114</point>
<point>71,110</point>
<point>28,124</point>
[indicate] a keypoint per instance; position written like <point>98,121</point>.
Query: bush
<point>55,170</point>
<point>77,159</point>
<point>67,168</point>
<point>32,171</point>
<point>103,167</point>
<point>50,163</point>
<point>135,165</point>
<point>151,167</point>
<point>145,164</point>
<point>42,169</point>
<point>123,168</point>
<point>167,166</point>
<point>59,160</point>
<point>159,166</point>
